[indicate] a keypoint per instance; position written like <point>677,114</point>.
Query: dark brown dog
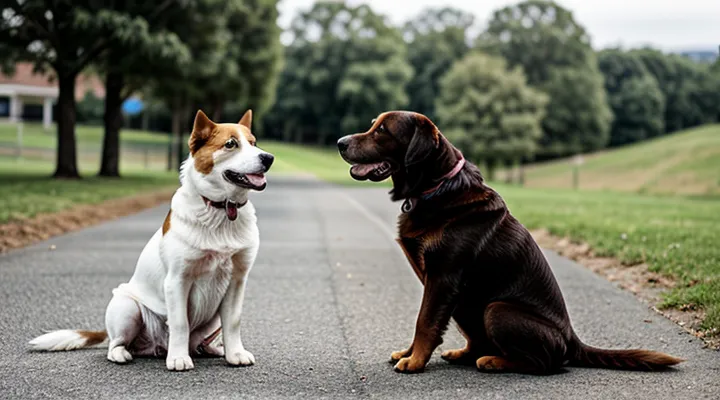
<point>477,263</point>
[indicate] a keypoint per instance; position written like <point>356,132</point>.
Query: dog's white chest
<point>210,276</point>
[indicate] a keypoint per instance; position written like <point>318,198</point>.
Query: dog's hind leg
<point>526,342</point>
<point>206,340</point>
<point>123,321</point>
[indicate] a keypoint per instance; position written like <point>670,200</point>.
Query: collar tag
<point>408,205</point>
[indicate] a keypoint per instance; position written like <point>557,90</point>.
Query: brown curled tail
<point>638,360</point>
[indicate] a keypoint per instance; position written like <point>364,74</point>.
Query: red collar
<point>409,203</point>
<point>456,170</point>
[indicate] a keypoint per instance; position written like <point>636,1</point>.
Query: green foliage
<point>344,66</point>
<point>436,39</point>
<point>692,94</point>
<point>251,59</point>
<point>578,118</point>
<point>555,53</point>
<point>636,100</point>
<point>638,107</point>
<point>489,112</point>
<point>90,109</point>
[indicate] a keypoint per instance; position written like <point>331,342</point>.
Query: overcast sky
<point>667,24</point>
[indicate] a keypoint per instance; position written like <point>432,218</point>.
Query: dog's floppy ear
<point>202,129</point>
<point>246,119</point>
<point>424,141</point>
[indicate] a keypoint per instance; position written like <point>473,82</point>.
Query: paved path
<point>328,300</point>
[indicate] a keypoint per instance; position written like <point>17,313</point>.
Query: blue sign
<point>133,106</point>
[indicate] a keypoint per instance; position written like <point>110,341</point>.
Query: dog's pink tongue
<point>231,210</point>
<point>364,169</point>
<point>256,179</point>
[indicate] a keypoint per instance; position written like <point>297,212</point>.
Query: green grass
<point>685,163</point>
<point>27,190</point>
<point>675,236</point>
<point>322,162</point>
<point>87,136</point>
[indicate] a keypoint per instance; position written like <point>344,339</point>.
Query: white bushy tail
<point>67,339</point>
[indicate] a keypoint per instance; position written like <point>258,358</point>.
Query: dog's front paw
<point>410,365</point>
<point>179,363</point>
<point>242,358</point>
<point>397,355</point>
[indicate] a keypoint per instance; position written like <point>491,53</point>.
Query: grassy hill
<point>686,162</point>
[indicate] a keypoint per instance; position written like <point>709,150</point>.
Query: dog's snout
<point>266,159</point>
<point>343,143</point>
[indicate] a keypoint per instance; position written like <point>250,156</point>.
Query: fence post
<point>577,162</point>
<point>19,139</point>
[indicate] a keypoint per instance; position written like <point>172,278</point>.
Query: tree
<point>345,65</point>
<point>691,93</point>
<point>490,112</point>
<point>555,54</point>
<point>578,117</point>
<point>436,39</point>
<point>204,31</point>
<point>63,36</point>
<point>129,64</point>
<point>251,62</point>
<point>634,95</point>
<point>638,105</point>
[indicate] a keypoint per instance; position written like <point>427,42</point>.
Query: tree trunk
<point>110,163</point>
<point>491,164</point>
<point>217,110</point>
<point>66,166</point>
<point>184,127</point>
<point>176,129</point>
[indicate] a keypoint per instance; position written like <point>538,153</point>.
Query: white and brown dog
<point>190,277</point>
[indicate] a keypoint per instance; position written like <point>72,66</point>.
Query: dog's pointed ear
<point>424,141</point>
<point>202,129</point>
<point>246,119</point>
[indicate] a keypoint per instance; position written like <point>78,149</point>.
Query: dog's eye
<point>380,129</point>
<point>231,143</point>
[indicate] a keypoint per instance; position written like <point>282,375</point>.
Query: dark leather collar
<point>220,204</point>
<point>410,203</point>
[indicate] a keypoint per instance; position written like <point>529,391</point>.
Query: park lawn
<point>685,162</point>
<point>323,162</point>
<point>676,236</point>
<point>26,188</point>
<point>35,136</point>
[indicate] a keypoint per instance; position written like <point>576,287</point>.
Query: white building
<point>26,96</point>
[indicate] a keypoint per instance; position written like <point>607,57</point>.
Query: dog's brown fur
<point>208,137</point>
<point>477,263</point>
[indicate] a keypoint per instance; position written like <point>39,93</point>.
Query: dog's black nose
<point>343,143</point>
<point>266,159</point>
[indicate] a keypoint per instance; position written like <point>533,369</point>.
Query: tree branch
<point>90,55</point>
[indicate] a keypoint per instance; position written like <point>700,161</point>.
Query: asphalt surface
<point>330,297</point>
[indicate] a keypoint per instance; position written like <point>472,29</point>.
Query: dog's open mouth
<point>250,181</point>
<point>375,172</point>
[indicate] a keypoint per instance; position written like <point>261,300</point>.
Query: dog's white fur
<point>189,280</point>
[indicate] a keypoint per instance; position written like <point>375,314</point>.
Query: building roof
<point>24,75</point>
